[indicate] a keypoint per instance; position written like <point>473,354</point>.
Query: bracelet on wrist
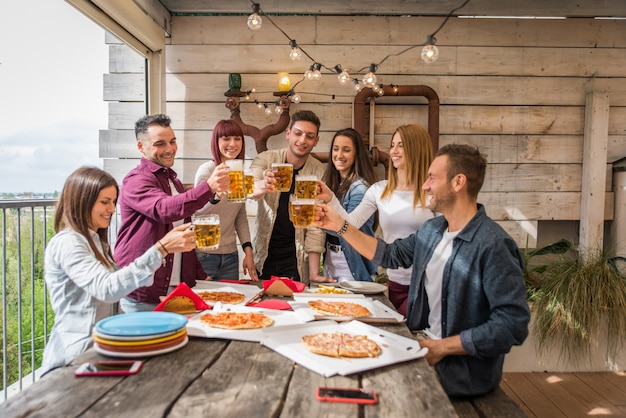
<point>343,229</point>
<point>164,249</point>
<point>246,245</point>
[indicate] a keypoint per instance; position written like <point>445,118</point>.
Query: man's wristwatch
<point>343,229</point>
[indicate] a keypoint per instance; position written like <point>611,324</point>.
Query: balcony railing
<point>27,317</point>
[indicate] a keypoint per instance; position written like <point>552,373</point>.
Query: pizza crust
<point>237,320</point>
<point>180,304</point>
<point>338,308</point>
<point>231,298</point>
<point>341,344</point>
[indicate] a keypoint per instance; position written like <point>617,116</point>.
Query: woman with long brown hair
<point>82,279</point>
<point>399,200</point>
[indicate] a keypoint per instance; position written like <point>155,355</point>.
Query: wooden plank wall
<point>516,88</point>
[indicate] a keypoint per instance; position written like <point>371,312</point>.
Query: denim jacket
<point>483,297</point>
<point>360,267</point>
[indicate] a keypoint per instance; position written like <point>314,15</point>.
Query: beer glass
<point>283,173</point>
<point>302,212</point>
<point>237,190</point>
<point>249,182</point>
<point>207,229</point>
<point>306,187</point>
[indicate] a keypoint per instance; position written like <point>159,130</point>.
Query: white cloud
<point>52,61</point>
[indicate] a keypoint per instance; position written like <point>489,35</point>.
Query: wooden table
<point>212,377</point>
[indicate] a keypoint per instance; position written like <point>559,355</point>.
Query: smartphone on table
<point>348,395</point>
<point>109,368</point>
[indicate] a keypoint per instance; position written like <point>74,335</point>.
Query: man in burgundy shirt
<point>152,201</point>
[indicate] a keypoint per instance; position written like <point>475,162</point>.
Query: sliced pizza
<point>339,308</point>
<point>237,320</point>
<point>341,344</point>
<point>232,298</point>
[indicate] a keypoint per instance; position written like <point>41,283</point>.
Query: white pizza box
<point>250,291</point>
<point>380,312</point>
<point>197,328</point>
<point>287,341</point>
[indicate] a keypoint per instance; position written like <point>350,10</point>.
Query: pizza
<point>180,304</point>
<point>340,344</point>
<point>338,308</point>
<point>237,320</point>
<point>232,298</point>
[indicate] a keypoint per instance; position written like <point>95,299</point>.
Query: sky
<point>52,61</point>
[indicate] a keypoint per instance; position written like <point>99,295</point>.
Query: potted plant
<point>572,297</point>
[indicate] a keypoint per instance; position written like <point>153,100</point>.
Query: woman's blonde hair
<point>418,154</point>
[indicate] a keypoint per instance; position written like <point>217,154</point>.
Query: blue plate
<point>141,323</point>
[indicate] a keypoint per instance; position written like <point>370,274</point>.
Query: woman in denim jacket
<point>348,175</point>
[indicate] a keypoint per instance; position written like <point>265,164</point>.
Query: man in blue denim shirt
<point>467,290</point>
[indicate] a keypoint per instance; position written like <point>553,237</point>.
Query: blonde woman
<point>399,200</point>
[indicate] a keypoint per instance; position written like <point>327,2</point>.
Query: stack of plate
<point>140,334</point>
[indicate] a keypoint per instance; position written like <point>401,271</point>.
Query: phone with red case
<point>347,395</point>
<point>109,368</point>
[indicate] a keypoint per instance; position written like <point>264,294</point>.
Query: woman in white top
<point>399,200</point>
<point>222,263</point>
<point>82,278</point>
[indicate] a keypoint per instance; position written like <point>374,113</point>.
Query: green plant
<point>572,298</point>
<point>532,272</point>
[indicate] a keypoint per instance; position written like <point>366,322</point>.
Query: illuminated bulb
<point>317,75</point>
<point>430,52</point>
<point>278,110</point>
<point>296,98</point>
<point>259,105</point>
<point>381,90</point>
<point>375,88</point>
<point>247,97</point>
<point>308,74</point>
<point>254,20</point>
<point>357,86</point>
<point>295,53</point>
<point>343,76</point>
<point>268,111</point>
<point>284,83</point>
<point>369,79</point>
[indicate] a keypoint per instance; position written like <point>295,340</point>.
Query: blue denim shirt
<point>483,297</point>
<point>360,267</point>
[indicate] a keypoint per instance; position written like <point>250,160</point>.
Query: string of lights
<point>429,54</point>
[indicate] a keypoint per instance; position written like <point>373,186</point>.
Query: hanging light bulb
<point>369,79</point>
<point>357,86</point>
<point>254,20</point>
<point>268,111</point>
<point>343,76</point>
<point>296,98</point>
<point>308,74</point>
<point>317,74</point>
<point>278,110</point>
<point>375,88</point>
<point>381,90</point>
<point>259,105</point>
<point>295,53</point>
<point>430,52</point>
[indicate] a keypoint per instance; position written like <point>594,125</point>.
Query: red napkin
<point>272,304</point>
<point>282,286</point>
<point>184,290</point>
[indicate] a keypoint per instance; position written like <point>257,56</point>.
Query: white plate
<point>135,354</point>
<point>248,290</point>
<point>287,341</point>
<point>197,328</point>
<point>363,287</point>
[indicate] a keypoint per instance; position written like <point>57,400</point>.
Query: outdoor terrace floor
<point>570,395</point>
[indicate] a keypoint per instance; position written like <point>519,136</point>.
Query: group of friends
<point>453,272</point>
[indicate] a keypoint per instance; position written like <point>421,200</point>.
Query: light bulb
<point>259,105</point>
<point>268,111</point>
<point>357,86</point>
<point>369,79</point>
<point>375,88</point>
<point>317,75</point>
<point>381,90</point>
<point>344,77</point>
<point>296,98</point>
<point>308,74</point>
<point>430,52</point>
<point>295,53</point>
<point>254,20</point>
<point>284,83</point>
<point>278,110</point>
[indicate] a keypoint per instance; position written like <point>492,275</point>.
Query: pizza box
<point>380,312</point>
<point>197,328</point>
<point>250,291</point>
<point>287,342</point>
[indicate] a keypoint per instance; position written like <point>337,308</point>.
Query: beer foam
<point>235,165</point>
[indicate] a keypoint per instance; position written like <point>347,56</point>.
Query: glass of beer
<point>249,182</point>
<point>283,173</point>
<point>302,212</point>
<point>237,191</point>
<point>207,229</point>
<point>306,187</point>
